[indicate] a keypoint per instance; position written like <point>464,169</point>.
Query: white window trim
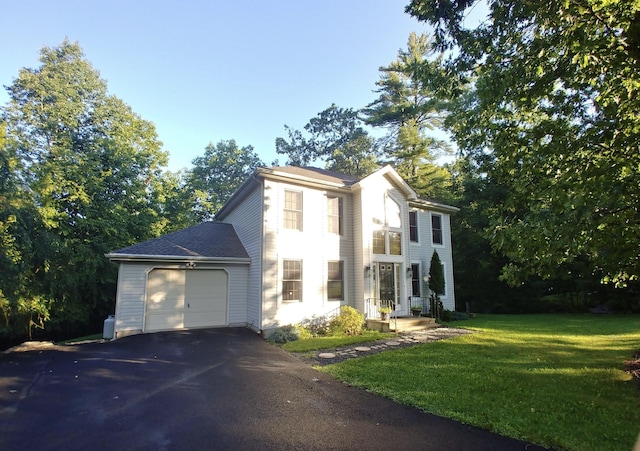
<point>417,242</point>
<point>438,245</point>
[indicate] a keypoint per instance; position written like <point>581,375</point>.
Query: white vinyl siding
<point>314,246</point>
<point>130,298</point>
<point>247,221</point>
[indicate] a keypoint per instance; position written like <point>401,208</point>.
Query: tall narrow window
<point>292,280</point>
<point>395,243</point>
<point>335,281</point>
<point>415,280</point>
<point>293,210</point>
<point>334,214</point>
<point>436,229</point>
<point>413,226</point>
<point>379,245</point>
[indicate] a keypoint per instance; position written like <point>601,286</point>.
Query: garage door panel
<point>182,299</point>
<point>164,321</point>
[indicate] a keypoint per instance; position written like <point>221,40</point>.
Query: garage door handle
<point>188,306</point>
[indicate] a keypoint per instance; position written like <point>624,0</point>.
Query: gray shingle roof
<point>206,240</point>
<point>319,174</point>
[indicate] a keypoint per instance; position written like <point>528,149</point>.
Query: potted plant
<point>416,310</point>
<point>384,313</point>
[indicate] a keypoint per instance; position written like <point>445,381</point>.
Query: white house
<point>290,244</point>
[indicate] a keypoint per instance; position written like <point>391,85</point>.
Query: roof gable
<point>206,241</point>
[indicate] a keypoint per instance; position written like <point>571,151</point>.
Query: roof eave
<point>114,257</point>
<point>273,174</point>
<point>422,203</point>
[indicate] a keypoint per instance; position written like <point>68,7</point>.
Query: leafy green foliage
<point>546,100</point>
<point>284,334</point>
<point>436,275</point>
<point>336,137</point>
<point>81,164</point>
<point>348,322</point>
<point>218,174</point>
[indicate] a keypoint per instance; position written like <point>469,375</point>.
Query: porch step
<point>402,324</point>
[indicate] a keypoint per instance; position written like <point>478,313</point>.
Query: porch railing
<point>374,308</point>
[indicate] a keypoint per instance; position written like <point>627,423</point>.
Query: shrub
<point>316,325</point>
<point>349,322</point>
<point>445,315</point>
<point>284,334</point>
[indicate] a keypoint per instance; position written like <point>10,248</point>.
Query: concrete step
<point>402,324</point>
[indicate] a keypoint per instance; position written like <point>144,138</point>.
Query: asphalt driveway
<point>204,389</point>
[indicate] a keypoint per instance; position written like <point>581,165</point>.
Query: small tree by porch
<point>436,284</point>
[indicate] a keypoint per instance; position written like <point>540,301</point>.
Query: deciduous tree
<point>218,174</point>
<point>553,115</point>
<point>85,161</point>
<point>336,137</point>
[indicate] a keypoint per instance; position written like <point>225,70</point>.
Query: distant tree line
<point>540,102</point>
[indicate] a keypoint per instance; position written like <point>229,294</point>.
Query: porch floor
<point>402,324</point>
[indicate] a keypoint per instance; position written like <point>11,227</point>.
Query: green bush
<point>349,322</point>
<point>317,326</point>
<point>445,315</point>
<point>284,334</point>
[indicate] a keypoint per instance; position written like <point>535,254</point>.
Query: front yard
<point>555,380</point>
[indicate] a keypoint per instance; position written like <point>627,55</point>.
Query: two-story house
<point>290,244</point>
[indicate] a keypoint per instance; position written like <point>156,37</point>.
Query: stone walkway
<point>402,340</point>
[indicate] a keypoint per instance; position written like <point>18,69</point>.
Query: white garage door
<point>178,299</point>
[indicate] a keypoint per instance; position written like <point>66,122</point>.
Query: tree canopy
<point>78,166</point>
<point>218,174</point>
<point>546,100</point>
<point>335,136</point>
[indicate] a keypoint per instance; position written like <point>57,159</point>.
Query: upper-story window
<point>392,213</point>
<point>293,209</point>
<point>436,229</point>
<point>386,240</point>
<point>379,242</point>
<point>413,226</point>
<point>334,214</point>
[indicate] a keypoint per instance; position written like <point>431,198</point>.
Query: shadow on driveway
<point>204,389</point>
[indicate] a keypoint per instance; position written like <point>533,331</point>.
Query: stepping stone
<point>363,348</point>
<point>327,355</point>
<point>392,343</point>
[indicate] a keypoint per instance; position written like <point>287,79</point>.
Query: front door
<point>387,278</point>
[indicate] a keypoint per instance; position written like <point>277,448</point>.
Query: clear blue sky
<point>205,71</point>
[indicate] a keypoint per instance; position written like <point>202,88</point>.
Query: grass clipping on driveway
<point>555,380</point>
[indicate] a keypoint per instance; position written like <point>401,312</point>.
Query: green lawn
<point>312,344</point>
<point>555,380</point>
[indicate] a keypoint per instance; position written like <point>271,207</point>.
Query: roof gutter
<point>175,258</point>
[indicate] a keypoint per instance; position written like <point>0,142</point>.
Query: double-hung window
<point>413,226</point>
<point>335,280</point>
<point>292,280</point>
<point>293,209</point>
<point>334,214</point>
<point>436,229</point>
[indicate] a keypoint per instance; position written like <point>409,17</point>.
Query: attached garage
<point>193,278</point>
<point>182,298</point>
